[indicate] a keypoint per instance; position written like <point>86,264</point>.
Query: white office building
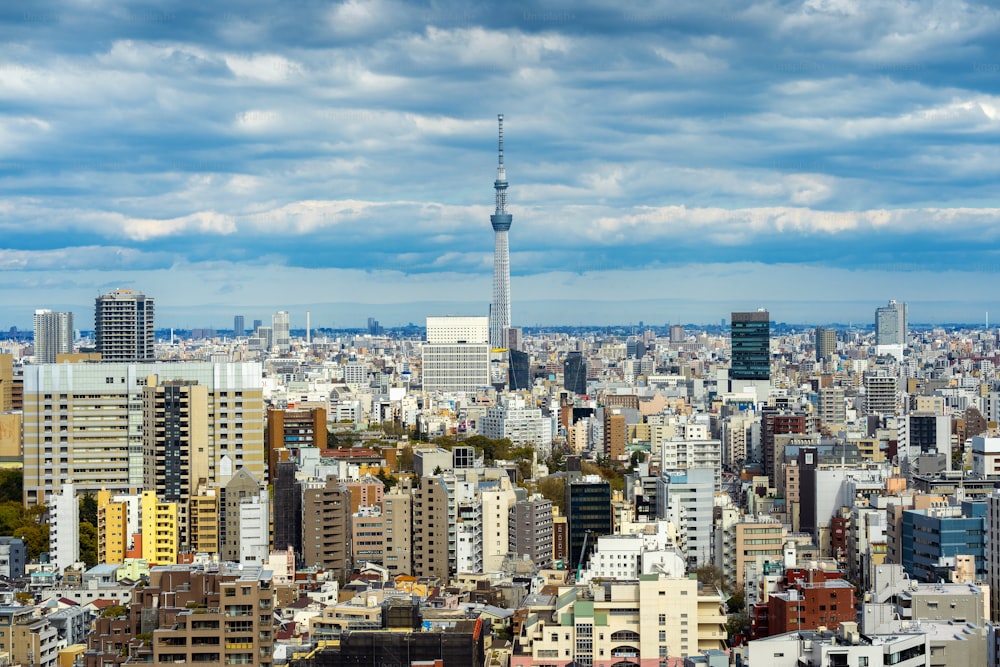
<point>456,356</point>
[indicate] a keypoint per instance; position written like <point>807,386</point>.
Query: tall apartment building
<point>826,344</point>
<point>292,429</point>
<point>239,326</point>
<point>614,433</point>
<point>281,328</point>
<point>530,530</point>
<point>64,527</point>
<point>203,528</point>
<point>326,526</point>
<point>397,526</point>
<point>287,509</point>
<point>497,498</point>
<point>686,498</point>
<point>235,526</point>
<point>123,326</point>
<point>113,530</point>
<point>27,637</point>
<point>53,335</point>
<point>431,523</point>
<point>456,356</point>
<point>832,408</point>
<point>84,422</point>
<point>881,394</point>
<point>159,529</point>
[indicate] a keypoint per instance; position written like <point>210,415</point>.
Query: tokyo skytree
<point>501,219</point>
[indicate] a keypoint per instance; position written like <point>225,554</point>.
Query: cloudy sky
<point>667,162</point>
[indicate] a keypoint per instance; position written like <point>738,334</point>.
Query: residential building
<point>123,326</point>
<point>531,530</point>
<point>160,530</point>
<point>826,344</point>
<point>84,422</point>
<point>13,557</point>
<point>53,335</point>
<point>326,526</point>
<point>64,527</point>
<point>522,424</point>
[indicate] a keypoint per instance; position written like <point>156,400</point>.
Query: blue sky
<point>668,162</point>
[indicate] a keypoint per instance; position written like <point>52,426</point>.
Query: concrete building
<point>498,499</point>
<point>687,499</point>
<point>397,512</point>
<point>84,422</point>
<point>826,344</point>
<point>531,530</point>
<point>808,648</point>
<point>27,637</point>
<point>160,530</point>
<point>280,326</point>
<point>985,456</point>
<point>881,394</point>
<point>456,356</point>
<point>431,524</point>
<point>512,418</point>
<point>64,527</point>
<point>53,335</point>
<point>891,329</point>
<point>123,326</point>
<point>293,429</point>
<point>13,557</point>
<point>240,489</point>
<point>932,539</point>
<point>643,622</point>
<point>326,527</point>
<point>750,343</point>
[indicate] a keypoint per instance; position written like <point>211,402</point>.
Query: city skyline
<point>815,159</point>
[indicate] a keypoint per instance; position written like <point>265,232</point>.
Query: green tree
<point>88,543</point>
<point>711,576</point>
<point>88,508</point>
<point>11,486</point>
<point>554,489</point>
<point>388,481</point>
<point>405,460</point>
<point>36,538</point>
<point>736,602</point>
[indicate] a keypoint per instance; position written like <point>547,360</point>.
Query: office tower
<point>257,324</point>
<point>239,326</point>
<point>530,530</point>
<point>575,373</point>
<point>326,526</point>
<point>53,335</point>
<point>374,328</point>
<point>676,333</point>
<point>518,370</point>
<point>501,219</point>
<point>64,527</point>
<point>280,326</point>
<point>826,344</point>
<point>588,516</point>
<point>83,422</point>
<point>456,356</point>
<point>123,326</point>
<point>751,346</point>
<point>890,329</point>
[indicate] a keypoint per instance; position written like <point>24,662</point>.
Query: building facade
<point>123,326</point>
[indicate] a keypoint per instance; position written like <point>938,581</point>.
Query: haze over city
<point>670,163</point>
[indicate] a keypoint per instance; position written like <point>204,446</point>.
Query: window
<point>663,619</point>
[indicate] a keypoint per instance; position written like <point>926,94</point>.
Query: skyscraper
<point>456,356</point>
<point>575,373</point>
<point>53,335</point>
<point>501,219</point>
<point>280,325</point>
<point>239,326</point>
<point>890,329</point>
<point>123,326</point>
<point>826,344</point>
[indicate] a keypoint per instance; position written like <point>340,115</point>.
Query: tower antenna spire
<point>500,220</point>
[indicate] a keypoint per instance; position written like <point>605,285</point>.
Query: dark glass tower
<point>575,373</point>
<point>751,345</point>
<point>588,516</point>
<point>519,370</point>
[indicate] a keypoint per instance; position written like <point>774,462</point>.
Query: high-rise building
<point>53,335</point>
<point>64,527</point>
<point>280,326</point>
<point>456,356</point>
<point>519,370</point>
<point>676,333</point>
<point>239,326</point>
<point>575,373</point>
<point>83,422</point>
<point>890,329</point>
<point>826,344</point>
<point>588,515</point>
<point>751,346</point>
<point>123,326</point>
<point>326,526</point>
<point>530,530</point>
<point>501,219</point>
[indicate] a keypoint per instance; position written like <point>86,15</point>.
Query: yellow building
<point>203,522</point>
<point>112,528</point>
<point>159,530</point>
